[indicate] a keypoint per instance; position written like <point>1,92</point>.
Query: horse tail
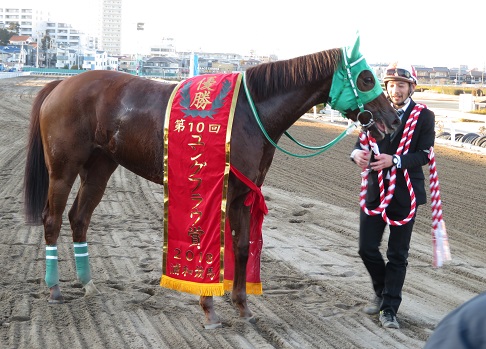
<point>36,177</point>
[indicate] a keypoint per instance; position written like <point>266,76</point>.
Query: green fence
<point>53,71</point>
<point>69,72</point>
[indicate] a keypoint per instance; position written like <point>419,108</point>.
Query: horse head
<point>357,93</point>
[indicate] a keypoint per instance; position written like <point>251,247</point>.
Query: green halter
<point>344,95</point>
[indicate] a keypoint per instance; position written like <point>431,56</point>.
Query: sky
<point>425,32</point>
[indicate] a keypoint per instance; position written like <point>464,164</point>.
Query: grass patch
<point>479,112</point>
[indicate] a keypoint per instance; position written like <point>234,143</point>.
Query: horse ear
<point>355,54</point>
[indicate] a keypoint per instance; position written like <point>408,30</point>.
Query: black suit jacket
<point>417,156</point>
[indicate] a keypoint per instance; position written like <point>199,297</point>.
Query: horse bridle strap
<point>320,149</point>
<point>360,104</point>
<point>351,82</point>
<point>362,110</point>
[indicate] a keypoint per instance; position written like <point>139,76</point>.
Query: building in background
<point>166,48</point>
<point>37,23</point>
<point>26,18</point>
<point>43,42</point>
<point>110,26</point>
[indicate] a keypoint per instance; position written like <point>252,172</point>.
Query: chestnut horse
<point>88,124</point>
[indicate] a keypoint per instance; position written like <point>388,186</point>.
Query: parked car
<point>13,69</point>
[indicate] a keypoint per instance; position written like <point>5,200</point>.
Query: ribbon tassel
<point>440,240</point>
<point>441,249</point>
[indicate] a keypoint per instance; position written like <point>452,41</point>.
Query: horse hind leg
<point>94,178</point>
<point>59,189</point>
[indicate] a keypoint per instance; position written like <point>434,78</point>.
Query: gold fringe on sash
<point>251,287</point>
<point>199,289</point>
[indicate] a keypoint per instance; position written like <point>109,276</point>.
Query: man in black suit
<point>388,277</point>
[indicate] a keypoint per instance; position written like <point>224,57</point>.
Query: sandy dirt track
<point>314,282</point>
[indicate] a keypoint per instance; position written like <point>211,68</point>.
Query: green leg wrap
<point>82,262</point>
<point>52,272</point>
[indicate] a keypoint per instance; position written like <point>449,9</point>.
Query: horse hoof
<point>90,289</point>
<point>250,319</point>
<point>55,296</point>
<point>213,326</point>
<point>55,301</point>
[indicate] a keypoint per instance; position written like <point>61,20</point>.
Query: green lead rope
<point>320,149</point>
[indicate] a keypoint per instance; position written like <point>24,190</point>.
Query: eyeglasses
<point>399,72</point>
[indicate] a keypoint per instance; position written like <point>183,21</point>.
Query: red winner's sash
<point>197,136</point>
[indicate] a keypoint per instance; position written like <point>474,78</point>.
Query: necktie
<point>400,113</point>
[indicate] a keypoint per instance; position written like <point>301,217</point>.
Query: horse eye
<point>369,81</point>
<point>366,81</point>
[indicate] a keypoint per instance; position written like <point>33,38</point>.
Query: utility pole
<point>139,61</point>
<point>20,55</point>
<point>37,51</point>
<point>482,74</point>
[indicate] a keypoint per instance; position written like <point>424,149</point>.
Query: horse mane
<point>267,79</point>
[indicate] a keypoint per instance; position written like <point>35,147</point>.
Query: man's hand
<point>362,158</point>
<point>381,161</point>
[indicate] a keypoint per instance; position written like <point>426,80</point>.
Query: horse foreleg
<point>212,319</point>
<point>240,230</point>
<point>238,294</point>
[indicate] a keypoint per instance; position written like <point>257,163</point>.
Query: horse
<point>89,124</point>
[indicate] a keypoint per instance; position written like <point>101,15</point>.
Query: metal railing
<point>6,75</point>
<point>53,71</point>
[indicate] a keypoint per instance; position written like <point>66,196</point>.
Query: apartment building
<point>110,24</point>
<point>26,18</point>
<point>37,22</point>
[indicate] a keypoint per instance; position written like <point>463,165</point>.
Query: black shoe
<point>374,306</point>
<point>388,319</point>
